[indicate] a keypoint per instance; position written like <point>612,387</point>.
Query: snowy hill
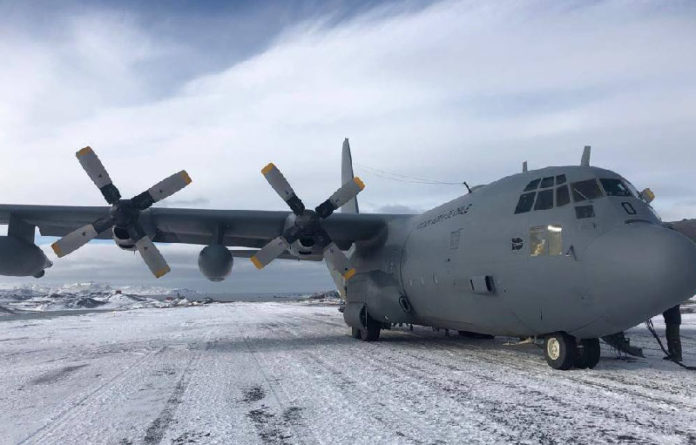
<point>80,296</point>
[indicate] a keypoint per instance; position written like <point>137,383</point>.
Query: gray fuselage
<point>592,266</point>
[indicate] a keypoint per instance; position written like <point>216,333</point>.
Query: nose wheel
<point>560,350</point>
<point>588,353</point>
<point>563,351</point>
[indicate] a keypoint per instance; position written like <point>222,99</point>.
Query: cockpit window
<point>585,190</point>
<point>544,199</point>
<point>532,185</point>
<point>547,182</point>
<point>615,187</point>
<point>562,196</point>
<point>525,203</point>
<point>560,179</point>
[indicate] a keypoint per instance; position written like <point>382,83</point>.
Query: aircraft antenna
<point>585,161</point>
<point>393,176</point>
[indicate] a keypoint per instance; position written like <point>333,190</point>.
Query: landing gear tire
<point>371,333</point>
<point>588,354</point>
<point>368,333</point>
<point>561,351</point>
<point>355,333</point>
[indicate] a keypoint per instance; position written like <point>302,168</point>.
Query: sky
<point>450,91</point>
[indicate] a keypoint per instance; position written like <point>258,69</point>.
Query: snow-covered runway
<point>290,373</point>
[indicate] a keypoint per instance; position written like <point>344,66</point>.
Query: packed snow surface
<point>276,373</point>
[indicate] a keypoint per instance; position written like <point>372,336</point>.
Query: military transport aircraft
<point>564,254</point>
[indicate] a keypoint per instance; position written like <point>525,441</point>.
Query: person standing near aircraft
<point>672,318</point>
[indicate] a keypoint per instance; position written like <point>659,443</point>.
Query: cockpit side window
<point>532,185</point>
<point>615,187</point>
<point>525,203</point>
<point>544,200</point>
<point>547,182</point>
<point>586,190</point>
<point>560,179</point>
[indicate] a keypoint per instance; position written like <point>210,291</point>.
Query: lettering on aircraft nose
<point>462,210</point>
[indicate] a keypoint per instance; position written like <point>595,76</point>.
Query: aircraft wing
<point>686,227</point>
<point>241,228</point>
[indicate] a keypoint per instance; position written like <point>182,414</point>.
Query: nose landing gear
<point>563,351</point>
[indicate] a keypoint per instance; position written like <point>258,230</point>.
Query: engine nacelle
<point>20,258</point>
<point>123,239</point>
<point>215,262</point>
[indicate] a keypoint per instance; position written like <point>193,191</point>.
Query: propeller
<point>124,213</point>
<point>308,223</point>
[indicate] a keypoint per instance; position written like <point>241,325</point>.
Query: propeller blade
<point>98,174</point>
<point>338,261</point>
<point>269,252</point>
<point>152,256</point>
<point>78,238</point>
<point>282,187</point>
<point>163,189</point>
<point>348,191</point>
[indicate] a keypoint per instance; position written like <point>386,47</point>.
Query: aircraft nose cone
<point>638,271</point>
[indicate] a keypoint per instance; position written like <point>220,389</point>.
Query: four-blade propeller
<point>308,223</point>
<point>124,213</point>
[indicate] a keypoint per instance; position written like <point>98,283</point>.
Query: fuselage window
<point>562,196</point>
<point>586,190</point>
<point>615,187</point>
<point>537,241</point>
<point>547,182</point>
<point>545,240</point>
<point>525,203</point>
<point>532,185</point>
<point>544,200</point>
<point>560,179</point>
<point>582,212</point>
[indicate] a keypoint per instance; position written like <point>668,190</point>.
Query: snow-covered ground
<point>290,373</point>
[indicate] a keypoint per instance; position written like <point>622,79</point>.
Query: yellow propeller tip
<point>359,182</point>
<point>84,151</point>
<point>162,272</point>
<point>57,250</point>
<point>187,178</point>
<point>256,262</point>
<point>348,275</point>
<point>267,168</point>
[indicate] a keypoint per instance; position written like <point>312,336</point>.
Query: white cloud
<point>456,91</point>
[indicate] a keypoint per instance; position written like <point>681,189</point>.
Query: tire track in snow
<point>70,412</point>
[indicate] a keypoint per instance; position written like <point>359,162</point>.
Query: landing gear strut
<point>563,352</point>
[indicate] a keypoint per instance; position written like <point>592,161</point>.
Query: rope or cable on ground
<point>651,328</point>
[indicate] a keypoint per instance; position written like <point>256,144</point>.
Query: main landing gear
<point>370,332</point>
<point>564,351</point>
